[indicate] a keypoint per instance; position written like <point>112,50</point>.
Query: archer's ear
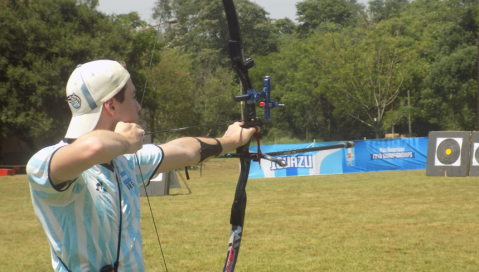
<point>109,106</point>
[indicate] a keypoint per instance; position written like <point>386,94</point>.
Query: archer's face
<point>128,110</point>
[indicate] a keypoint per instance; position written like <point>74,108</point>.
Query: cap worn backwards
<point>89,86</point>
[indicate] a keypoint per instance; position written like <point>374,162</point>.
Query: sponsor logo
<point>99,187</point>
<point>301,161</point>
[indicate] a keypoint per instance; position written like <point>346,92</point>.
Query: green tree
<point>41,43</point>
<point>452,85</point>
<point>202,33</point>
<point>284,26</point>
<point>449,98</point>
<point>385,9</point>
<point>169,99</point>
<point>295,77</point>
<point>202,29</point>
<point>131,19</point>
<point>334,78</point>
<point>313,14</point>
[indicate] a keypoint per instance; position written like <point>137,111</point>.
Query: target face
<point>448,151</point>
<point>475,155</point>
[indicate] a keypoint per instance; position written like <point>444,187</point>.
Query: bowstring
<point>151,212</point>
<point>151,59</point>
<point>141,105</point>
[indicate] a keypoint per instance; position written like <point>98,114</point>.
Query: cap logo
<point>74,100</point>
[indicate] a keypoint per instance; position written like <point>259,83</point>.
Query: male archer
<point>85,189</point>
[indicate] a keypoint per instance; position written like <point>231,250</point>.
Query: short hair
<point>120,96</point>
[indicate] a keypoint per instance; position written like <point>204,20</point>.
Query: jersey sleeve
<point>38,173</point>
<point>150,157</point>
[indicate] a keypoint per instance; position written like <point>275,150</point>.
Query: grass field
<point>382,221</point>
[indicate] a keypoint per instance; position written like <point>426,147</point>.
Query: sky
<point>277,9</point>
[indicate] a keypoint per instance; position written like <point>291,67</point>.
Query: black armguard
<point>207,150</point>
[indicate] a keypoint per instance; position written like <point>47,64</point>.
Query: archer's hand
<point>239,134</point>
<point>133,135</point>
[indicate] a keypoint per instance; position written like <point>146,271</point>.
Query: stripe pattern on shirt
<point>81,221</point>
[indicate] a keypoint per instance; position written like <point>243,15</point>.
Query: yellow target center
<point>448,151</point>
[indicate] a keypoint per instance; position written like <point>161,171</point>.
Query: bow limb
<point>240,65</point>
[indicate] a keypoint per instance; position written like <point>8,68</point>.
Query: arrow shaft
<point>190,127</point>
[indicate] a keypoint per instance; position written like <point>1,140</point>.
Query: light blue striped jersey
<point>81,220</point>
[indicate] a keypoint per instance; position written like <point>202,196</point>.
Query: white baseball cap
<point>89,86</point>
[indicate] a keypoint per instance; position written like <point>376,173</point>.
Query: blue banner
<point>365,156</point>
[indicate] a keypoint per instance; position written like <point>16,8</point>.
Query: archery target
<point>475,155</point>
<point>448,151</point>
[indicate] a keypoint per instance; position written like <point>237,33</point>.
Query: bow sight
<point>251,97</point>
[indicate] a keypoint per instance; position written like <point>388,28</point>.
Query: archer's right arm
<point>96,147</point>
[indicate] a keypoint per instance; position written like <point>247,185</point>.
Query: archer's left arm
<point>189,151</point>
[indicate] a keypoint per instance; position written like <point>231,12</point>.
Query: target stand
<point>448,153</point>
<point>474,160</point>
